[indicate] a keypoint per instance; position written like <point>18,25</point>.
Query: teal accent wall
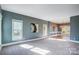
<point>74,28</point>
<point>0,27</point>
<point>27,20</point>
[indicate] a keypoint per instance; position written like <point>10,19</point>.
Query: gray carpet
<point>42,47</point>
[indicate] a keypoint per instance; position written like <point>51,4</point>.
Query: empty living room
<point>39,29</point>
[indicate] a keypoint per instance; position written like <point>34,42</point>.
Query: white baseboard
<point>12,43</point>
<point>74,41</point>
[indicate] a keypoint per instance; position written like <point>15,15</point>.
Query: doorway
<point>17,30</point>
<point>44,29</point>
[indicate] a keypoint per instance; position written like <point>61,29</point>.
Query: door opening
<point>44,29</point>
<point>17,30</point>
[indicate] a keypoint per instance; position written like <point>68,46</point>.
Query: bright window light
<point>35,49</point>
<point>40,51</point>
<point>27,46</point>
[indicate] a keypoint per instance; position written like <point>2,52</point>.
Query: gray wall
<point>0,25</point>
<point>0,9</point>
<point>7,26</point>
<point>74,28</point>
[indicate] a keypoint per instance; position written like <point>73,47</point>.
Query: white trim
<point>7,44</point>
<point>68,40</point>
<point>12,43</point>
<point>45,30</point>
<point>73,41</point>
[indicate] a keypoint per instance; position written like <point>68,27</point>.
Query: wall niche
<point>34,27</point>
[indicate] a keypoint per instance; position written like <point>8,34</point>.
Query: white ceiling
<point>50,12</point>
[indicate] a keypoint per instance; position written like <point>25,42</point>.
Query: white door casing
<point>44,29</point>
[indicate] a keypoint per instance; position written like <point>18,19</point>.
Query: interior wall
<point>27,20</point>
<point>54,27</point>
<point>74,28</point>
<point>50,28</point>
<point>0,28</point>
<point>0,25</point>
<point>65,29</point>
